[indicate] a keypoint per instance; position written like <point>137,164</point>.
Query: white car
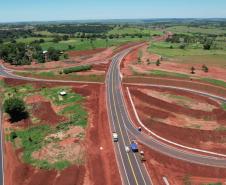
<point>115,137</point>
<point>127,149</point>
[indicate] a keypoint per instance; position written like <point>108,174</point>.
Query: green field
<point>193,53</point>
<point>163,48</point>
<point>187,29</point>
<point>55,76</point>
<point>78,44</point>
<point>36,136</point>
<point>31,39</point>
<point>169,74</point>
<point>134,30</point>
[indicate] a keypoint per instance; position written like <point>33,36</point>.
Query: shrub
<point>205,68</point>
<point>16,108</point>
<point>192,70</point>
<point>77,69</point>
<point>158,62</point>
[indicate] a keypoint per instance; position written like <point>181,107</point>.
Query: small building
<point>45,52</point>
<point>63,93</point>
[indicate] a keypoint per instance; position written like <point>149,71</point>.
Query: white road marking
<point>163,139</point>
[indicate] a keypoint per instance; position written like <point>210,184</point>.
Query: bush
<point>77,69</point>
<point>16,108</point>
<point>205,68</point>
<point>192,70</point>
<point>53,54</point>
<point>158,62</point>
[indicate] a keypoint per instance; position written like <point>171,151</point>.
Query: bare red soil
<point>163,37</point>
<point>84,53</point>
<point>76,58</point>
<point>179,172</point>
<point>45,112</point>
<point>126,46</point>
<point>154,112</point>
<point>100,165</point>
<point>130,65</point>
<point>190,84</point>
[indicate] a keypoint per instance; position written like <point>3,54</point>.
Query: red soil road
<point>100,166</point>
<point>185,136</point>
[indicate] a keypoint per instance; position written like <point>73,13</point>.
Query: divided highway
<point>133,172</point>
<point>122,124</point>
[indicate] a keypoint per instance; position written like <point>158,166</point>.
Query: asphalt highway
<point>122,124</point>
<point>132,171</point>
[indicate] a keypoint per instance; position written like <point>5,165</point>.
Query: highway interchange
<point>132,171</point>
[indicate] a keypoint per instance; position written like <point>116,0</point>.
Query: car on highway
<point>127,149</point>
<point>115,137</point>
<point>134,146</point>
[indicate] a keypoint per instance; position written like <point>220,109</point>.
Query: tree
<point>192,70</point>
<point>139,60</point>
<point>66,56</point>
<point>182,46</point>
<point>207,44</point>
<point>57,39</point>
<point>205,68</point>
<point>16,109</point>
<point>65,37</point>
<point>53,54</point>
<point>158,62</point>
<point>38,54</point>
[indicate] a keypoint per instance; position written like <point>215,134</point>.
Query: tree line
<point>72,29</point>
<point>183,39</point>
<point>22,54</point>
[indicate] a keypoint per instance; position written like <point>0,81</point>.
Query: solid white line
<point>2,149</point>
<point>148,174</point>
<point>113,124</point>
<point>130,142</point>
<point>46,80</point>
<point>121,76</point>
<point>163,139</point>
<point>166,181</point>
<point>181,88</point>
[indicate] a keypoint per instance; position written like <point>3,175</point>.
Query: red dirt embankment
<point>85,52</point>
<point>101,162</point>
<point>45,112</point>
<point>178,172</point>
<point>154,117</point>
<point>100,165</point>
<point>190,84</point>
<point>219,113</point>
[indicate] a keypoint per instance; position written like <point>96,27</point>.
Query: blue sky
<point>43,10</point>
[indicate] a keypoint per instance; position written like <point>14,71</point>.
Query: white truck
<point>115,136</point>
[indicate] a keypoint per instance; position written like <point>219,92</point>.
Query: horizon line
<point>110,19</point>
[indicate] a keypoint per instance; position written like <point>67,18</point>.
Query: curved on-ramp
<point>149,141</point>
